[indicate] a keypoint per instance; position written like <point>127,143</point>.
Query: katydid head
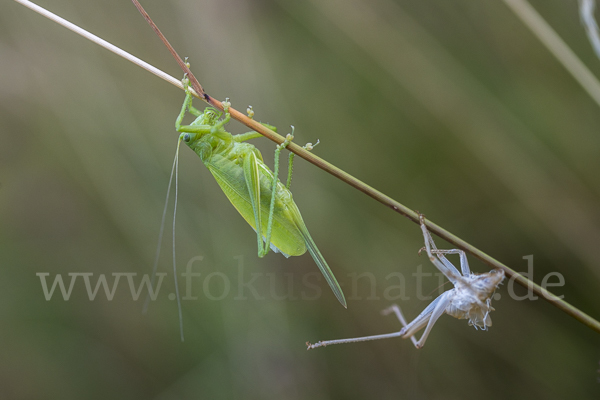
<point>189,138</point>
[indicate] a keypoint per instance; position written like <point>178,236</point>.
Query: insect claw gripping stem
<point>288,139</point>
<point>309,146</point>
<point>226,105</point>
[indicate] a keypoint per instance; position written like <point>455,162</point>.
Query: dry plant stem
<point>333,170</point>
<point>536,23</point>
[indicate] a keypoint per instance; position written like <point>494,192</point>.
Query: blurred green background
<point>451,107</point>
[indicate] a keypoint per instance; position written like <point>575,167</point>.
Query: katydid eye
<point>186,137</point>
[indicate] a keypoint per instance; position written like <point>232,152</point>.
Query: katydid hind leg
<point>288,140</point>
<point>252,177</point>
<point>280,147</point>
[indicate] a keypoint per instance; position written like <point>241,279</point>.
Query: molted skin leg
<point>464,263</point>
<point>396,310</point>
<point>441,263</point>
<point>427,318</point>
<point>442,303</point>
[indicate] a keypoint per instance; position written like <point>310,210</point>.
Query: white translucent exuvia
<point>471,298</point>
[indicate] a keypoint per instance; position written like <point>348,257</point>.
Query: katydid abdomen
<point>285,234</point>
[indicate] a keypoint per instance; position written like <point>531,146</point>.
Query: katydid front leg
<point>187,105</point>
<point>221,124</point>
